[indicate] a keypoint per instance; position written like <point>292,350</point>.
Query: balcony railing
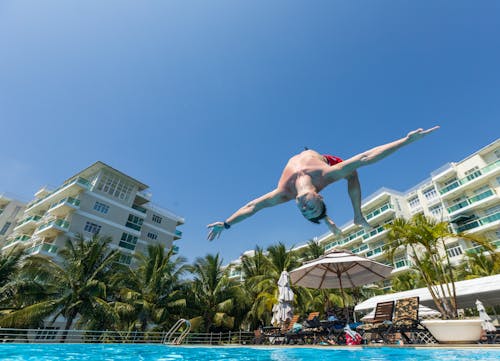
<point>374,232</point>
<point>61,223</point>
<point>478,249</point>
<point>29,219</point>
<point>375,251</point>
<point>79,180</point>
<point>479,222</point>
<point>178,233</point>
<point>44,247</point>
<point>376,212</point>
<point>490,167</point>
<point>69,200</point>
<point>139,208</point>
<point>402,263</point>
<point>470,200</point>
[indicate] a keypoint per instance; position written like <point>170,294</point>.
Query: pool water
<point>119,352</point>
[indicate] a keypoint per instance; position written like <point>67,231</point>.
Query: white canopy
<point>486,289</point>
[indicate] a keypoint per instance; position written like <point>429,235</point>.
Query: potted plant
<point>424,239</point>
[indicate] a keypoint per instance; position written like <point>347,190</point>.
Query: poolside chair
<point>380,322</point>
<point>407,324</point>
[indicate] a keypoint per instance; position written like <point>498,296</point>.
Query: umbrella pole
<point>346,313</point>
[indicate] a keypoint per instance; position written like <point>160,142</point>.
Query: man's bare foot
<point>361,221</point>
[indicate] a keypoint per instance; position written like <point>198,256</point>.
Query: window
<point>115,187</point>
<point>430,193</point>
<point>414,202</point>
<point>5,228</point>
<point>472,173</point>
<point>128,241</point>
<point>125,259</point>
<point>454,250</point>
<point>101,207</point>
<point>156,218</point>
<point>152,235</point>
<point>92,228</point>
<point>134,222</point>
<point>436,211</point>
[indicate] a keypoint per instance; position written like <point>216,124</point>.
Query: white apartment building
<point>98,200</point>
<point>466,193</point>
<point>11,210</point>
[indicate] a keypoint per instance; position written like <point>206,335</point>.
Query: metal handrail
<point>175,328</point>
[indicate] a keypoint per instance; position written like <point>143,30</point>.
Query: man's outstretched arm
<point>345,168</point>
<point>270,199</point>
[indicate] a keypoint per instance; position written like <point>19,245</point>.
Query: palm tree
<point>150,293</point>
<point>478,264</point>
<point>77,286</point>
<point>10,263</point>
<point>213,293</point>
<point>425,239</point>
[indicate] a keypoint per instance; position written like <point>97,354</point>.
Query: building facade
<point>11,211</point>
<point>98,200</point>
<point>466,194</point>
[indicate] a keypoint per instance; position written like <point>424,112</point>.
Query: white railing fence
<point>55,335</point>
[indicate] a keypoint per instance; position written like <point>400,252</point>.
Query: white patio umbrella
<point>424,312</point>
<point>485,318</point>
<point>339,269</point>
<point>283,309</point>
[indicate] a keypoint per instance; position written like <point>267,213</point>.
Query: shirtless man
<point>306,174</point>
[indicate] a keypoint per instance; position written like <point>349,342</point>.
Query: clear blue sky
<point>205,101</point>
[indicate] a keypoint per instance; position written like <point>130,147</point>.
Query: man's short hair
<point>321,216</point>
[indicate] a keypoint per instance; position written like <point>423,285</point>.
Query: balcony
<point>484,223</point>
<point>178,234</point>
<point>139,208</point>
<point>465,204</point>
<point>360,249</point>
<point>70,187</point>
<point>47,248</point>
<point>402,263</point>
<point>375,215</point>
<point>19,238</point>
<point>64,206</point>
<point>478,249</point>
<point>459,183</point>
<point>27,224</point>
<point>375,252</point>
<point>373,234</point>
<point>52,228</point>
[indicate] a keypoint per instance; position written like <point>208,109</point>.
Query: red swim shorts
<point>331,159</point>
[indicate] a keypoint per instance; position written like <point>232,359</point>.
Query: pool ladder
<point>169,336</point>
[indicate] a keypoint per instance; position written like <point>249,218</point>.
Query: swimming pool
<point>120,352</point>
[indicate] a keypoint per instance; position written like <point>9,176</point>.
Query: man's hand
<point>216,229</point>
<point>337,232</point>
<point>420,133</point>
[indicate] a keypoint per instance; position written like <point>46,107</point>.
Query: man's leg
<point>354,190</point>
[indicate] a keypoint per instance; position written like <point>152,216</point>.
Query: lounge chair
<point>406,323</point>
<point>380,322</point>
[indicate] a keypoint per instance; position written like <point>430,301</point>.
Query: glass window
<point>134,222</point>
<point>430,193</point>
<point>92,228</point>
<point>115,187</point>
<point>5,227</point>
<point>156,218</point>
<point>414,202</point>
<point>101,207</point>
<point>152,235</point>
<point>128,241</point>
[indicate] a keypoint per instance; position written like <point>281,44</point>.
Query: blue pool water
<point>115,352</point>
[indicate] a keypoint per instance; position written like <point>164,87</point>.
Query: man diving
<point>307,173</point>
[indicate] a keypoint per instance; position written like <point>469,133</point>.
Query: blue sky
<point>205,101</point>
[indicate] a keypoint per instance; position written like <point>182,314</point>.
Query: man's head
<point>311,206</point>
